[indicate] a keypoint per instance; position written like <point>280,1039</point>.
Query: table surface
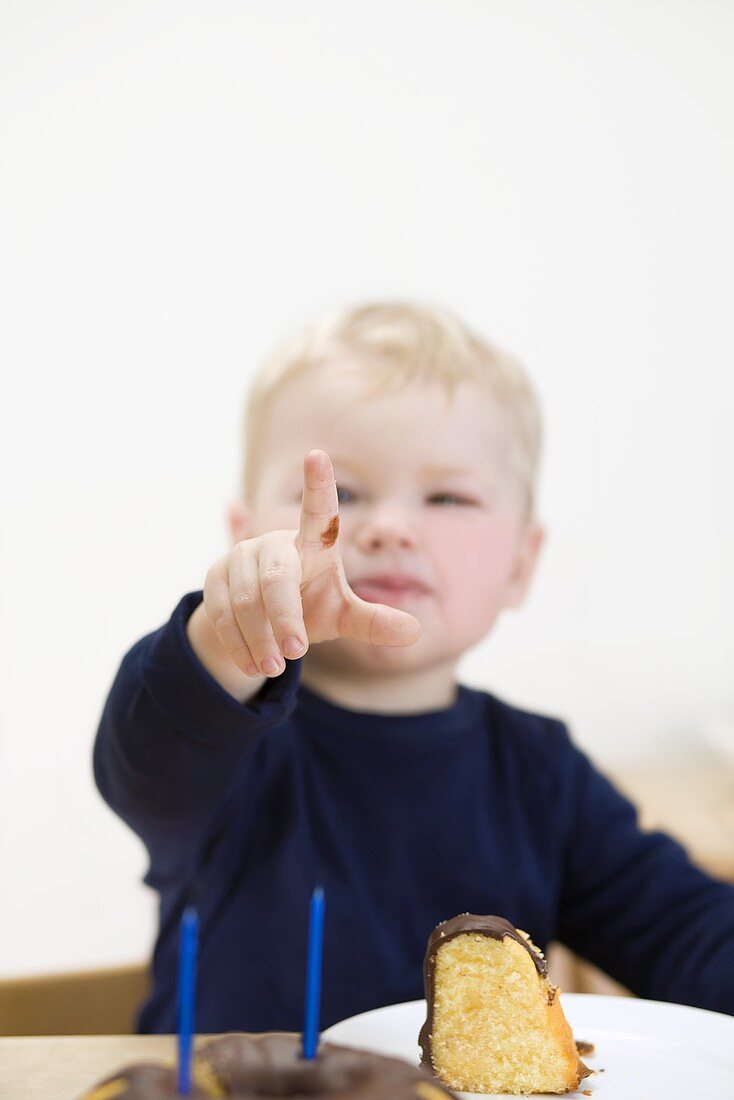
<point>64,1067</point>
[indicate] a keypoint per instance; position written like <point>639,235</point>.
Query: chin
<point>343,654</point>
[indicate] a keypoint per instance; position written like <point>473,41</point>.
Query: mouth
<point>390,588</point>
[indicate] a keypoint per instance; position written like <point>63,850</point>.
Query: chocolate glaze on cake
<point>495,927</point>
<point>258,1067</point>
<point>271,1065</point>
<point>144,1081</point>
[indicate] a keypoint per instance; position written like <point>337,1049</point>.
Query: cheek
<point>473,562</point>
<point>276,517</point>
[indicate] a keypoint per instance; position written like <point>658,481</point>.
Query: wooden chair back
<point>92,1002</point>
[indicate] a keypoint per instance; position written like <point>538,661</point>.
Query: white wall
<point>182,183</point>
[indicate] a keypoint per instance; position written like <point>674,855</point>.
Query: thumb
<point>377,624</point>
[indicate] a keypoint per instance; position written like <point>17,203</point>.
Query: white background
<point>182,184</point>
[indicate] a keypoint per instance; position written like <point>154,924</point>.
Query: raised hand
<point>272,595</point>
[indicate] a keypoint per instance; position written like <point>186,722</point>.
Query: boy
<point>302,723</point>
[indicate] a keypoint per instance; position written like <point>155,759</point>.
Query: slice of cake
<point>494,1022</point>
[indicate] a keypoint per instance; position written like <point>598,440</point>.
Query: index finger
<point>319,525</point>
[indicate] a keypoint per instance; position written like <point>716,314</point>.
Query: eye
<point>451,498</point>
<point>344,495</point>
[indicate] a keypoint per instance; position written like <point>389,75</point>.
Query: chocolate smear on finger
<point>329,536</point>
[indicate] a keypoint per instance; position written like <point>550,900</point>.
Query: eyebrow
<point>442,471</point>
<point>430,472</point>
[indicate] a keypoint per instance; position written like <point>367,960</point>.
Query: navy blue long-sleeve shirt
<point>405,821</point>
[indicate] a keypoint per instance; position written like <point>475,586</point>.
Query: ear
<point>238,521</point>
<point>528,552</point>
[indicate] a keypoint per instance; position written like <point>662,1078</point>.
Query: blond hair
<point>399,344</point>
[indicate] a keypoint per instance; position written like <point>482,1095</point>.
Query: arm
<point>634,904</point>
<point>195,698</point>
<point>171,737</point>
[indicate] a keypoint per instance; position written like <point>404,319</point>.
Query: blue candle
<point>188,946</point>
<point>313,974</point>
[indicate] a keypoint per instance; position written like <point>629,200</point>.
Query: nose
<point>386,529</point>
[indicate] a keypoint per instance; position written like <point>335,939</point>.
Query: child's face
<point>429,519</point>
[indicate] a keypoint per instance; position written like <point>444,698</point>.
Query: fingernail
<point>292,645</point>
<point>252,669</point>
<point>270,666</point>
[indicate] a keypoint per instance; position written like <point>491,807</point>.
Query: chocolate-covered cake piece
<point>147,1081</point>
<point>494,1022</point>
<point>251,1067</point>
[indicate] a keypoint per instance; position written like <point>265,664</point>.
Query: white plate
<point>648,1050</point>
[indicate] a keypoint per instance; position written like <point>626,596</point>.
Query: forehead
<point>331,407</point>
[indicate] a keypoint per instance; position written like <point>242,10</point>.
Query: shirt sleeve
<point>171,738</point>
<point>636,906</point>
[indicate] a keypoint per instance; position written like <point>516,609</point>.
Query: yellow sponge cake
<point>494,1021</point>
